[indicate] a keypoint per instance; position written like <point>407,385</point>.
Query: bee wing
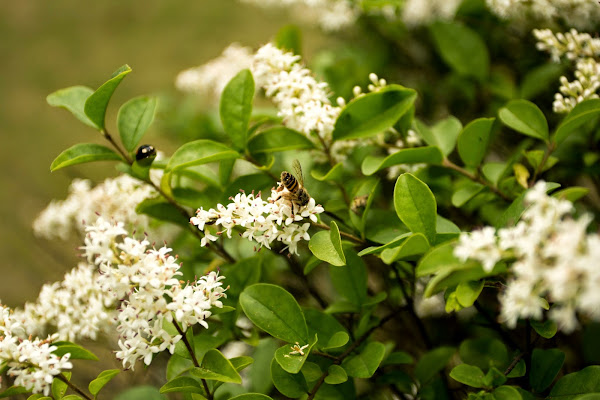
<point>298,172</point>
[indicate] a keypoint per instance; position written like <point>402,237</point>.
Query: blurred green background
<point>46,46</point>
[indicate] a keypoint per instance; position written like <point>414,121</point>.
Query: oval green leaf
<point>415,155</point>
<point>573,385</point>
<point>433,362</point>
<point>97,102</point>
<point>525,117</point>
<point>103,378</point>
<point>134,118</point>
<point>334,174</point>
<point>77,352</point>
<point>469,375</point>
<point>414,245</point>
<point>364,364</point>
<point>216,367</point>
<point>473,141</point>
<point>442,135</point>
<point>373,113</point>
<point>293,363</point>
<point>73,99</point>
<point>83,153</point>
<point>462,49</point>
<point>327,246</point>
<point>351,281</point>
<point>236,107</point>
<point>336,375</point>
<point>415,205</point>
<point>199,152</point>
<point>545,366</point>
<point>251,396</point>
<point>183,384</point>
<point>582,113</point>
<point>275,310</point>
<point>290,385</point>
<point>277,139</point>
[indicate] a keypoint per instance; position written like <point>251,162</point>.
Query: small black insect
<point>145,154</point>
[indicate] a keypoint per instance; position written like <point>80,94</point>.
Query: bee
<point>359,203</point>
<point>296,193</point>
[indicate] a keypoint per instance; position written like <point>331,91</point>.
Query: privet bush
<point>429,235</point>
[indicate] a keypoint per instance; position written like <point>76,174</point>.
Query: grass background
<point>48,45</point>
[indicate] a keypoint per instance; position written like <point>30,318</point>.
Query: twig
<point>73,386</point>
<point>125,155</point>
<point>193,356</point>
<point>342,233</point>
<point>549,149</point>
<point>475,178</point>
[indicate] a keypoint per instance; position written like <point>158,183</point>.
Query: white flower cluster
<point>31,362</point>
<point>330,15</point>
<point>262,221</point>
<point>302,100</point>
<point>422,12</point>
<point>580,14</point>
<point>211,78</point>
<point>585,51</point>
<point>556,261</point>
<point>75,308</point>
<point>115,198</point>
<point>145,281</point>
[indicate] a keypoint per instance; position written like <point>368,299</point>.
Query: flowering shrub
<point>427,235</point>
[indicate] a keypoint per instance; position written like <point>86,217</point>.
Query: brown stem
<point>125,155</point>
<point>475,178</point>
<point>193,355</point>
<point>514,363</point>
<point>342,233</point>
<point>73,386</point>
<point>549,149</point>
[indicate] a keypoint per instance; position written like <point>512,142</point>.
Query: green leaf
<point>398,357</point>
<point>364,364</point>
<point>525,117</point>
<point>507,393</point>
<point>162,210</point>
<point>538,80</point>
<point>277,139</point>
<point>546,329</point>
<point>373,113</point>
<point>216,367</point>
<point>251,396</point>
<point>293,363</point>
<point>513,213</point>
<point>473,141</point>
<point>462,49</point>
<point>415,205</point>
<point>275,310</point>
<point>140,393</point>
<point>326,327</point>
<point>134,119</point>
<point>351,281</point>
<point>466,193</point>
<point>199,152</point>
<point>469,375</point>
<point>258,376</point>
<point>494,378</point>
<point>59,388</point>
<point>433,362</point>
<point>334,174</point>
<point>572,194</point>
<point>13,391</point>
<point>415,244</point>
<point>436,260</point>
<point>442,135</point>
<point>582,113</point>
<point>97,102</point>
<point>484,353</point>
<point>570,386</point>
<point>77,352</point>
<point>103,378</point>
<point>236,107</point>
<point>72,397</point>
<point>545,366</point>
<point>327,246</point>
<point>289,38</point>
<point>290,385</point>
<point>183,384</point>
<point>415,155</point>
<point>337,340</point>
<point>241,362</point>
<point>493,171</point>
<point>336,375</point>
<point>83,153</point>
<point>73,99</point>
<point>468,292</point>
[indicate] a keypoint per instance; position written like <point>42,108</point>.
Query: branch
<point>475,178</point>
<point>73,386</point>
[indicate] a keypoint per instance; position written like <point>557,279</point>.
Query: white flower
<point>262,221</point>
<point>479,245</point>
<point>303,101</point>
<point>422,12</point>
<point>114,199</point>
<point>211,78</point>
